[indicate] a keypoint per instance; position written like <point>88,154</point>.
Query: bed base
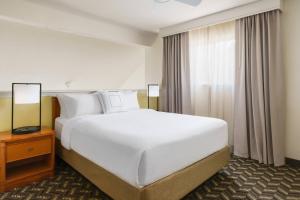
<point>172,187</point>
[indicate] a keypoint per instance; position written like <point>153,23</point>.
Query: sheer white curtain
<point>212,66</point>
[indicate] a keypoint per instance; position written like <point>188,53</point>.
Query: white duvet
<point>143,146</point>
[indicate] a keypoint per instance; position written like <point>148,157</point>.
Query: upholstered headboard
<point>55,110</point>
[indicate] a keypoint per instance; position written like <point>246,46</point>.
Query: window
<point>212,66</point>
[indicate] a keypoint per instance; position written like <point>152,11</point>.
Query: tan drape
<point>175,93</point>
<point>259,120</point>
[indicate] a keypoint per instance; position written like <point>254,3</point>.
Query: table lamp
<point>153,91</point>
<point>26,93</point>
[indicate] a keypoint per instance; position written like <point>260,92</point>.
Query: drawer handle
<point>30,149</point>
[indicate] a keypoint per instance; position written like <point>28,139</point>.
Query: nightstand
<point>26,158</point>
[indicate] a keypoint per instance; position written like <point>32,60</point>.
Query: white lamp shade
<point>153,90</point>
<point>26,94</point>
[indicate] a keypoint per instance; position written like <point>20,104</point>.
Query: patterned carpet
<point>241,179</point>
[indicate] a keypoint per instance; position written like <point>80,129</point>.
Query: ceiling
<point>144,15</point>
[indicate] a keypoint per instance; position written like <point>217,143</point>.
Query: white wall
<point>30,54</point>
<point>154,56</point>
<point>291,51</point>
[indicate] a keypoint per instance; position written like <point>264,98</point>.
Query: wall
<point>37,55</point>
<point>5,114</point>
<point>154,56</point>
<point>291,51</point>
<point>29,54</point>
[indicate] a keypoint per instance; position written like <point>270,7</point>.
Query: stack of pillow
<point>102,102</point>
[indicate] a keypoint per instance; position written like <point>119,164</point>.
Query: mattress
<point>143,146</point>
<point>59,123</point>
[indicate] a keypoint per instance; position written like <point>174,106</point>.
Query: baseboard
<point>292,162</point>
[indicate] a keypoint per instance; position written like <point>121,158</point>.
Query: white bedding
<point>144,146</point>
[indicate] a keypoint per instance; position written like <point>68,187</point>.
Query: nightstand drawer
<point>28,149</point>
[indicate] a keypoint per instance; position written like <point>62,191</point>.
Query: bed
<point>134,157</point>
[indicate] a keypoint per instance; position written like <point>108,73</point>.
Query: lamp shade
<point>26,93</point>
<point>153,90</point>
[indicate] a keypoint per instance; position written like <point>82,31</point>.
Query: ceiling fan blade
<point>190,2</point>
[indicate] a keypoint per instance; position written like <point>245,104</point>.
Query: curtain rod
<point>224,16</point>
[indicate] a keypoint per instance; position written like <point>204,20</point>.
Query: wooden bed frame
<point>172,187</point>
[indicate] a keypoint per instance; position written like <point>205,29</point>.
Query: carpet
<point>240,179</point>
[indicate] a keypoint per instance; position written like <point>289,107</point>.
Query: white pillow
<point>118,101</point>
<point>72,105</point>
<point>131,100</point>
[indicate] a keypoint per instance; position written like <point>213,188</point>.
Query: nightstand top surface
<point>8,137</point>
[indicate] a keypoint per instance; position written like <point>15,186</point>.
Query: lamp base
<point>25,130</point>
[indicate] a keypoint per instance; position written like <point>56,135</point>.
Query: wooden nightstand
<point>26,158</point>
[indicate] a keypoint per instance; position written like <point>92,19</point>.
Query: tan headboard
<point>55,110</point>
